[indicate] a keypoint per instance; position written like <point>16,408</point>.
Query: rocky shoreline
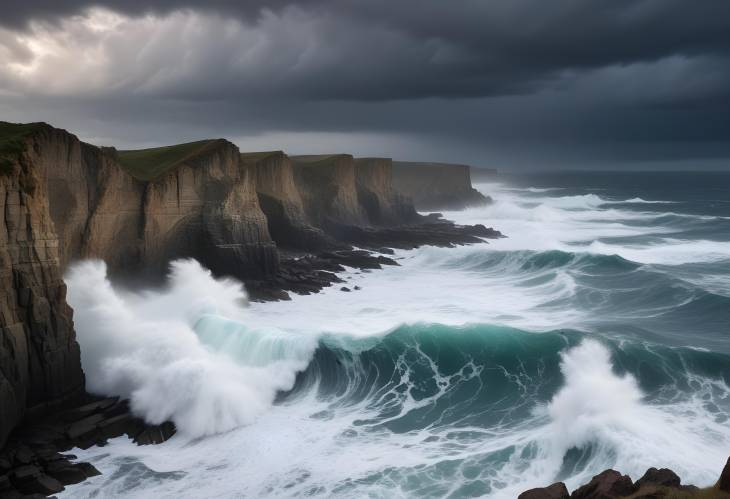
<point>34,462</point>
<point>654,484</point>
<point>305,273</point>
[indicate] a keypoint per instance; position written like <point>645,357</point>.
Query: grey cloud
<point>526,81</point>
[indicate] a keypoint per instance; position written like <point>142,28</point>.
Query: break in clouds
<point>496,83</point>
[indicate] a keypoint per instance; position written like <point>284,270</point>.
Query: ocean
<point>595,335</point>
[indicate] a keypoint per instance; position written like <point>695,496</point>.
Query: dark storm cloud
<point>539,80</point>
<point>422,48</point>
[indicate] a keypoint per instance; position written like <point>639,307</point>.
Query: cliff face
<point>63,200</point>
<point>281,202</point>
<point>329,190</point>
<point>339,191</point>
<point>207,208</point>
<point>95,206</point>
<point>39,356</point>
<point>376,195</point>
<point>436,186</point>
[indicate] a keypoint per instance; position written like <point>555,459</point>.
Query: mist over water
<point>594,336</point>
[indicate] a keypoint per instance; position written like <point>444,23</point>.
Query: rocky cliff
<point>63,200</point>
<point>281,201</point>
<point>328,187</point>
<point>39,356</point>
<point>436,186</point>
<point>205,206</point>
<point>382,203</point>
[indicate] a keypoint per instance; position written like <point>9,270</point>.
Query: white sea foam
<point>588,223</point>
<point>195,353</point>
<point>306,447</point>
<point>171,352</point>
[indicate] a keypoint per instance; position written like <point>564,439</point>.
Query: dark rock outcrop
<point>654,484</point>
<point>606,485</point>
<point>34,459</point>
<point>436,186</point>
<point>664,477</point>
<point>555,491</point>
<point>724,482</point>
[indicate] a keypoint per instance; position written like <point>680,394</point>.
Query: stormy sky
<point>513,84</point>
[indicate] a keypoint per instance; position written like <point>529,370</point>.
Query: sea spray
<point>147,347</point>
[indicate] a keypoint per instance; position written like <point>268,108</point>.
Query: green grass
<point>149,164</point>
<point>255,157</point>
<point>12,136</point>
<point>318,159</point>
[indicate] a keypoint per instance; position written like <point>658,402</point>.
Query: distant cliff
<point>436,186</point>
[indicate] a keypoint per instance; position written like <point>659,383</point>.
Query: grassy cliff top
<point>12,135</point>
<point>254,157</point>
<point>149,164</point>
<point>319,159</point>
<point>11,142</point>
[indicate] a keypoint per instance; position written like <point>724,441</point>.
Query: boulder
<point>88,469</point>
<point>664,477</point>
<point>66,473</point>
<point>40,484</point>
<point>606,485</point>
<point>555,491</point>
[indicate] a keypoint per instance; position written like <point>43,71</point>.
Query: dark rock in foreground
<point>555,491</point>
<point>655,484</point>
<point>609,483</point>
<point>33,460</point>
<point>724,483</point>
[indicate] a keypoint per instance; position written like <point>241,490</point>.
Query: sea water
<point>596,335</point>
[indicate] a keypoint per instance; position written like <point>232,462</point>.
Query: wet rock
<point>664,477</point>
<point>724,482</point>
<point>79,413</point>
<point>39,484</point>
<point>66,473</point>
<point>555,491</point>
<point>23,473</point>
<point>345,289</point>
<point>85,428</point>
<point>155,434</point>
<point>119,425</point>
<point>88,469</point>
<point>606,485</point>
<point>23,455</point>
<point>5,463</point>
